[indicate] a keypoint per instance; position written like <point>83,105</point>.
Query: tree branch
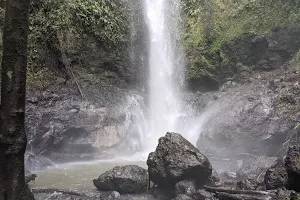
<point>229,191</point>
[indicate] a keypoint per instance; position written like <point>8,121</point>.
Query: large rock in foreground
<point>276,176</point>
<point>176,159</point>
<point>285,174</point>
<point>292,164</point>
<point>125,179</point>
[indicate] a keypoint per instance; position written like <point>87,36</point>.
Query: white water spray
<point>166,111</point>
<point>166,69</point>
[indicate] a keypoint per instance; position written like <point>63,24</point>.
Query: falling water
<point>166,68</point>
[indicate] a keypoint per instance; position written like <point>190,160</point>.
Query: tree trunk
<point>13,139</point>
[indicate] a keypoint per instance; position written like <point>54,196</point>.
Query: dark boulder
<point>176,159</point>
<point>294,196</point>
<point>276,176</point>
<point>292,164</point>
<point>284,194</point>
<point>185,187</point>
<point>285,174</point>
<point>125,179</point>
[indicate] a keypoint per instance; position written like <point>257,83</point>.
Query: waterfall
<point>166,109</point>
<point>165,69</point>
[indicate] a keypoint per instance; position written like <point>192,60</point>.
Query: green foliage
<point>200,68</point>
<point>69,25</point>
<point>105,19</point>
<point>233,18</point>
<point>228,20</point>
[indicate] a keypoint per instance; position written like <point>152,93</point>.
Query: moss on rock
<point>218,34</point>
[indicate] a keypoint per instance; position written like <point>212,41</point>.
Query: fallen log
<point>52,190</point>
<point>229,191</point>
<point>65,193</point>
<point>226,196</point>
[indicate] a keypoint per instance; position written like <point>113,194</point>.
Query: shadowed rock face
<point>285,173</point>
<point>257,113</point>
<point>238,58</point>
<point>125,179</point>
<point>276,176</point>
<point>292,164</point>
<point>245,122</point>
<point>264,53</point>
<point>176,159</point>
<point>61,122</point>
<point>256,117</point>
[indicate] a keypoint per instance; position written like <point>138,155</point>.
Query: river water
<point>77,176</point>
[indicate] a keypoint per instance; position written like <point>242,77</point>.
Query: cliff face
<point>259,116</point>
<point>254,108</point>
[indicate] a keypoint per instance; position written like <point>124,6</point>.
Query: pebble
<point>114,195</point>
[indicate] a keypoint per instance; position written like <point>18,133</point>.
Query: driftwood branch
<point>226,196</point>
<point>52,190</point>
<point>229,191</point>
<point>76,195</point>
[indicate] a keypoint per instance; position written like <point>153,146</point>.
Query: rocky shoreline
<point>177,170</point>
